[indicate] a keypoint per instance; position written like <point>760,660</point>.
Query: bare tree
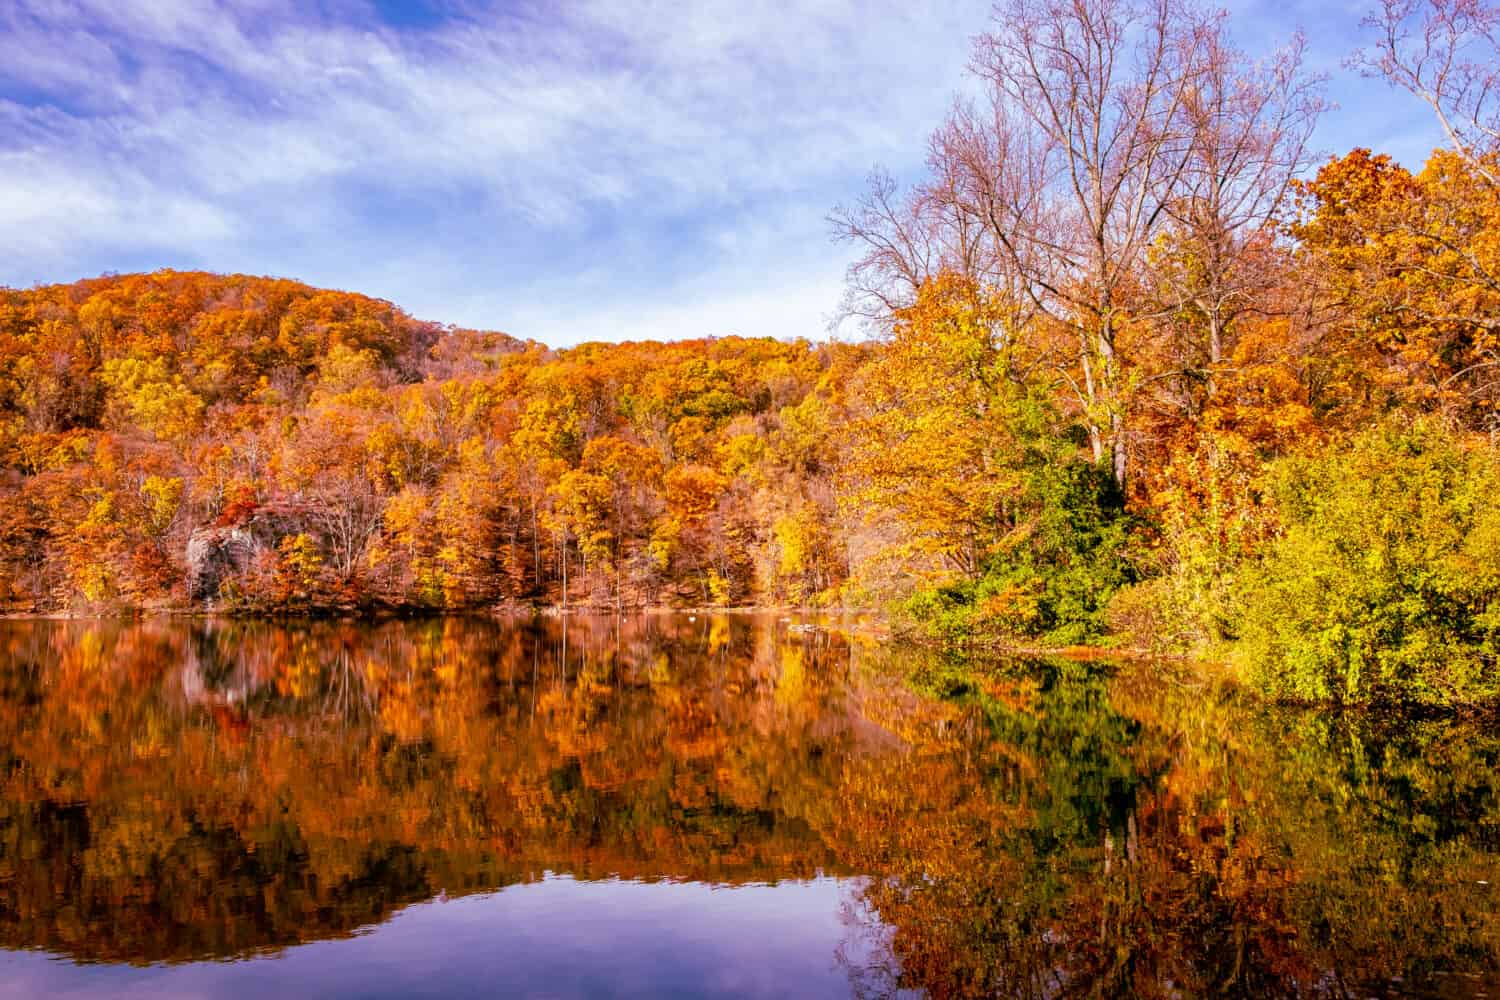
<point>347,510</point>
<point>901,248</point>
<point>1447,52</point>
<point>1054,186</point>
<point>1248,127</point>
<point>1107,130</point>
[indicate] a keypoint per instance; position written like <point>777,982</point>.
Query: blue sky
<point>566,171</point>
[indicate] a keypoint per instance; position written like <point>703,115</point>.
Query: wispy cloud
<point>564,170</point>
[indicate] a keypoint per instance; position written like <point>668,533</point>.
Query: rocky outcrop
<point>216,553</point>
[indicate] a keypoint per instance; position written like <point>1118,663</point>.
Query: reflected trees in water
<point>177,790</point>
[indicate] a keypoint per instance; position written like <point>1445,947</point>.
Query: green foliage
<point>1051,579</point>
<point>1384,584</point>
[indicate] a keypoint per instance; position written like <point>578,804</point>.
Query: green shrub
<point>1052,580</point>
<point>1384,583</point>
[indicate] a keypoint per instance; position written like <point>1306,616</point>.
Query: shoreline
<point>874,626</point>
<point>865,621</point>
<point>387,613</point>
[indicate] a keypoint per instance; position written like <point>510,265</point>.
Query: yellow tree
<point>932,442</point>
<point>630,475</point>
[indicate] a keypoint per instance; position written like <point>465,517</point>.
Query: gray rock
<point>215,553</point>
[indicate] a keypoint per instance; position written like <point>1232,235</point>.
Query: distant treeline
<point>1140,373</point>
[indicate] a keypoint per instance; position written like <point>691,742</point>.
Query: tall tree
<point>1447,52</point>
<point>1247,125</point>
<point>1054,185</point>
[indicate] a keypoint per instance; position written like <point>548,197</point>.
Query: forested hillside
<point>1143,370</point>
<point>259,444</point>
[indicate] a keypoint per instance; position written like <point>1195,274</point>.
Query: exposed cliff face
<point>216,553</point>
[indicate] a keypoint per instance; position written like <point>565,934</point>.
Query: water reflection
<point>181,791</point>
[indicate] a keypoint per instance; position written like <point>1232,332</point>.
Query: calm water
<point>728,806</point>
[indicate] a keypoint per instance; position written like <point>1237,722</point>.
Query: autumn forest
<point>1132,365</point>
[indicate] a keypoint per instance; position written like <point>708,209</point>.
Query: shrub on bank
<point>1051,581</point>
<point>1384,582</point>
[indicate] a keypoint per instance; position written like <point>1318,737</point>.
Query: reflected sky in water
<point>555,938</point>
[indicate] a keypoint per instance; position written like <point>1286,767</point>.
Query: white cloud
<point>565,170</point>
<point>789,308</point>
<point>51,208</point>
<point>610,101</point>
<point>656,135</point>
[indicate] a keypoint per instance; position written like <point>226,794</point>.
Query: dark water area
<point>726,806</point>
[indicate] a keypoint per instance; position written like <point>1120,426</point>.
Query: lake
<point>661,805</point>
